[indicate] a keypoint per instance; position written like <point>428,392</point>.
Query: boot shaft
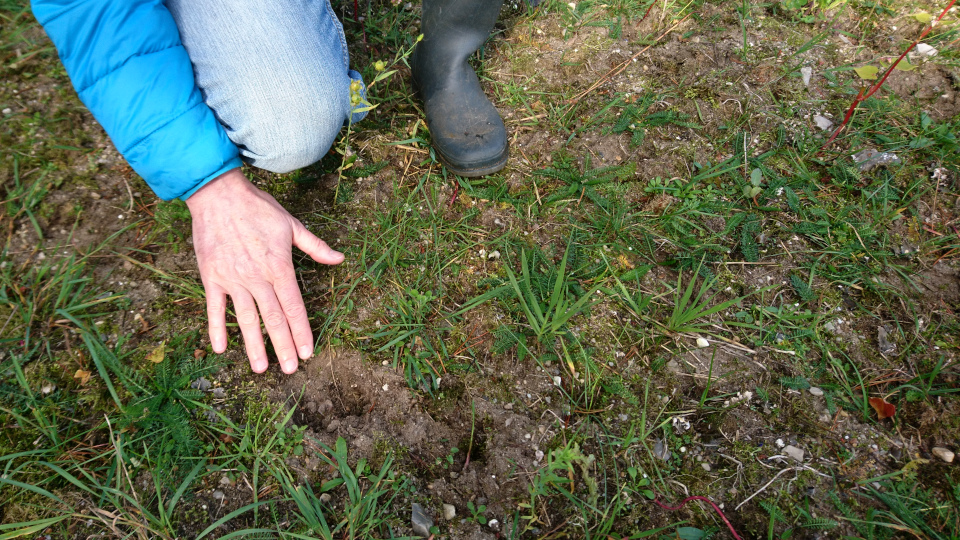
<point>457,27</point>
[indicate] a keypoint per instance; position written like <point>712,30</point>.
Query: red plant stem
<point>647,12</point>
<point>699,498</point>
<point>456,191</point>
<point>861,97</point>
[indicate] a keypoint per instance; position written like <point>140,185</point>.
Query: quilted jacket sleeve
<point>127,63</point>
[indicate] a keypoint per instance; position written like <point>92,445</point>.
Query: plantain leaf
<point>867,72</point>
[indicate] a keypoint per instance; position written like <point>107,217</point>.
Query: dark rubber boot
<point>468,134</point>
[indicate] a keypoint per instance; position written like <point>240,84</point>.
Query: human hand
<point>242,238</point>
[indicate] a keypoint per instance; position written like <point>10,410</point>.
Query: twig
<point>865,94</point>
<point>765,486</point>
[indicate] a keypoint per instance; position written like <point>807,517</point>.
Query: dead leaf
<point>144,325</point>
<point>83,375</point>
<point>884,409</point>
<point>199,353</point>
<point>867,72</point>
<point>156,355</point>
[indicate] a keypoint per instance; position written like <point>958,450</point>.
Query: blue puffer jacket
<point>126,61</point>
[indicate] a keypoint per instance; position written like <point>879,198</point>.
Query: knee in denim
<point>297,131</point>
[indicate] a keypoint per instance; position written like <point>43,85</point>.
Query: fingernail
<point>305,352</point>
<point>259,365</point>
<point>218,345</point>
<point>289,366</point>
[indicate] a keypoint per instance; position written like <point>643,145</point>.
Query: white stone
<point>449,512</point>
<point>822,122</point>
<point>702,343</point>
<point>815,391</point>
<point>8,110</point>
<point>943,453</point>
<point>926,50</point>
<point>794,452</point>
<point>806,72</point>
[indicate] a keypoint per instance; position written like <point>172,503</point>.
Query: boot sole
<point>473,172</point>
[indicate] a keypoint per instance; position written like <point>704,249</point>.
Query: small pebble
<point>8,110</point>
<point>325,498</point>
<point>815,391</point>
<point>449,512</point>
<point>794,452</point>
<point>218,495</point>
<point>943,453</point>
<point>706,466</point>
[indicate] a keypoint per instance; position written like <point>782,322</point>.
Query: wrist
<point>216,189</point>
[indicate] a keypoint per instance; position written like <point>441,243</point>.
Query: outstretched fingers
<point>275,321</point>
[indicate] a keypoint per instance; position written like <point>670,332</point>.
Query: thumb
<point>316,248</point>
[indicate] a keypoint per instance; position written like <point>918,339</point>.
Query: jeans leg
<point>275,72</point>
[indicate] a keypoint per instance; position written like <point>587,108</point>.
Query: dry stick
<point>619,69</point>
<point>765,486</point>
<point>864,95</point>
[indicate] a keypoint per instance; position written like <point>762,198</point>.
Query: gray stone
<point>449,512</point>
<point>661,451</point>
<point>794,452</point>
<point>883,341</point>
<point>943,453</point>
<point>333,425</point>
<point>201,384</point>
<point>325,498</point>
<point>219,393</point>
<point>706,466</point>
<point>218,495</point>
<point>420,521</point>
<point>869,159</point>
<point>815,391</point>
<point>325,407</point>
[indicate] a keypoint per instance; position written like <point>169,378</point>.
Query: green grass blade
<point>30,527</point>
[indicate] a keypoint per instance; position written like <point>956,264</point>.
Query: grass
<point>686,196</point>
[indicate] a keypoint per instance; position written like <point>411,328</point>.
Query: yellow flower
<point>379,65</point>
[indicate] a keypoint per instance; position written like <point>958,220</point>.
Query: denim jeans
<point>276,74</point>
